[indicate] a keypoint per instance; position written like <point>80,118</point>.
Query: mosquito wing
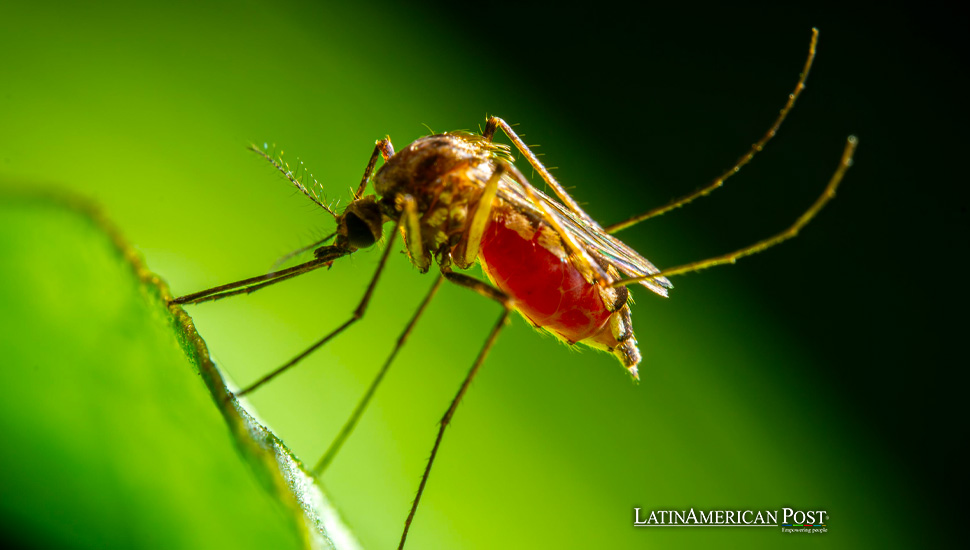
<point>600,244</point>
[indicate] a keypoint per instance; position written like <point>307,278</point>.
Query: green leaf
<point>114,430</point>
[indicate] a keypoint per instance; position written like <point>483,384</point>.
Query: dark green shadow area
<point>111,439</point>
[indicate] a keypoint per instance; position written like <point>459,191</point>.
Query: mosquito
<point>457,199</point>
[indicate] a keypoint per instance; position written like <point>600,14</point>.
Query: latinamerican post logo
<point>792,520</point>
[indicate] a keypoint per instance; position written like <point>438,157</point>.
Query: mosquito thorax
<point>361,224</point>
<point>418,166</point>
<point>444,174</point>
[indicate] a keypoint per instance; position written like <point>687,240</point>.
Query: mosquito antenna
<point>745,159</point>
<point>284,169</point>
<point>801,222</point>
<point>290,255</point>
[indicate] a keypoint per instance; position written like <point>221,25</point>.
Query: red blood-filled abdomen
<point>547,290</point>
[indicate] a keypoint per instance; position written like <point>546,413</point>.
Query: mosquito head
<point>361,224</point>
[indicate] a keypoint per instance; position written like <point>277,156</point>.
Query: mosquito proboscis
<point>457,199</point>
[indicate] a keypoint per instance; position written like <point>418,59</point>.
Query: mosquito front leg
<point>746,158</point>
<point>385,150</point>
<point>364,401</point>
<point>325,256</point>
<point>410,224</point>
<point>495,123</point>
<point>801,222</point>
<point>358,313</point>
<point>489,292</point>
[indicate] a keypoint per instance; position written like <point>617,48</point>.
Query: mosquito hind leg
<point>495,123</point>
<point>745,159</point>
<point>365,400</point>
<point>764,244</point>
<point>493,293</point>
<point>580,258</point>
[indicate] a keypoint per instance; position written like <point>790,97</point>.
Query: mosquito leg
<point>493,293</point>
<point>446,419</point>
<point>495,123</point>
<point>468,251</point>
<point>359,411</point>
<point>253,288</point>
<point>382,148</point>
<point>410,223</point>
<point>358,313</point>
<point>801,222</point>
<point>479,287</point>
<point>412,230</point>
<point>327,255</point>
<point>745,159</point>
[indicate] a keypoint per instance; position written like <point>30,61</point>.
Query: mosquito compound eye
<point>359,234</point>
<point>361,224</point>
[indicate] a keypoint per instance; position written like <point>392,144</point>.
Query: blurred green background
<point>820,375</point>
